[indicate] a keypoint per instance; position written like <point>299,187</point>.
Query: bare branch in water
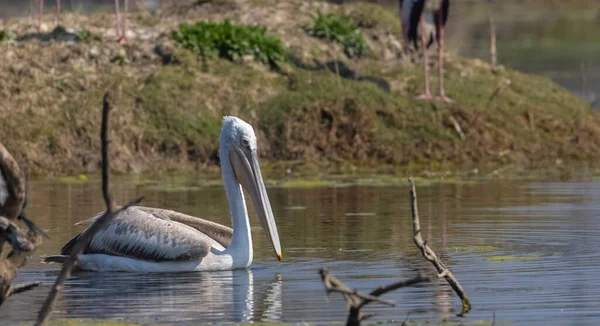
<point>356,300</point>
<point>22,287</point>
<point>97,225</point>
<point>16,244</point>
<point>430,256</point>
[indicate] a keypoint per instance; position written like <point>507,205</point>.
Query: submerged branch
<point>430,256</point>
<point>97,225</point>
<point>22,287</point>
<point>356,300</point>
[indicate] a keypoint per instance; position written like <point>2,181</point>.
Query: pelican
<point>144,239</point>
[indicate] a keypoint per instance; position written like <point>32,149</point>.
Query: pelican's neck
<point>241,241</point>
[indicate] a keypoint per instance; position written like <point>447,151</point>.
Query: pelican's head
<point>238,145</point>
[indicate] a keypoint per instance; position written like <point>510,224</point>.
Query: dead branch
<point>356,300</point>
<point>457,128</point>
<point>15,243</point>
<point>430,256</point>
<point>97,225</point>
<point>22,287</point>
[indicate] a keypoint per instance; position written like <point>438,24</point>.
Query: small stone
<point>247,58</point>
<point>43,28</point>
<point>94,52</point>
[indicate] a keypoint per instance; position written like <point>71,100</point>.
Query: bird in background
<point>413,15</point>
<point>121,19</point>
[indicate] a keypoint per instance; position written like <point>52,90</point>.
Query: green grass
<point>7,35</point>
<point>172,113</point>
<point>371,15</point>
<point>339,29</point>
<point>168,116</point>
<point>231,41</point>
<point>86,36</point>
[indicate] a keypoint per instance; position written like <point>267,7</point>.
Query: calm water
<point>363,234</point>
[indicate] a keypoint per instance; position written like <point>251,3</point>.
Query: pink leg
<point>442,96</point>
<point>427,94</point>
<point>118,19</point>
<point>41,15</point>
<point>58,9</point>
<point>123,39</point>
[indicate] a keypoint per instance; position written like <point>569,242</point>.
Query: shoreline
<point>309,117</point>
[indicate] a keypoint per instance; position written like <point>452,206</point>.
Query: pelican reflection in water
<point>243,295</point>
<point>144,239</point>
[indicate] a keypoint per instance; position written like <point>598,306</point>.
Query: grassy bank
<point>321,110</point>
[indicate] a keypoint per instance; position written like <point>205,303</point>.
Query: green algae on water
<point>511,258</point>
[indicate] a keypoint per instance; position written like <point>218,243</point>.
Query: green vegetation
<point>476,248</point>
<point>511,258</point>
<point>372,15</point>
<point>59,31</point>
<point>231,41</point>
<point>339,29</point>
<point>82,178</point>
<point>86,36</point>
<point>305,183</point>
<point>121,58</point>
<point>7,35</point>
<point>309,120</point>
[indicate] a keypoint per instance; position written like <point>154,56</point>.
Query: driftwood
<point>430,256</point>
<point>356,300</point>
<point>15,243</point>
<point>97,225</point>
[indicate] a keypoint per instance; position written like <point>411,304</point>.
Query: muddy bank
<point>319,111</point>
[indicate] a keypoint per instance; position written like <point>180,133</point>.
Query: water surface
<point>524,251</point>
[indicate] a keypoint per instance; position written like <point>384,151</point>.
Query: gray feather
<point>138,234</point>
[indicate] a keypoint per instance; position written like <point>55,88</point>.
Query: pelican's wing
<point>137,234</point>
<point>94,218</point>
<point>219,233</point>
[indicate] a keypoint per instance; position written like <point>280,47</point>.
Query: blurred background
<point>559,39</point>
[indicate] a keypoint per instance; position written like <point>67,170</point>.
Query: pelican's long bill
<point>247,172</point>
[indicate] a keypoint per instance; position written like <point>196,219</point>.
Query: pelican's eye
<point>246,143</point>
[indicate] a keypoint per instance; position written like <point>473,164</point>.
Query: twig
<point>22,287</point>
<point>97,225</point>
<point>429,255</point>
<point>457,127</point>
<point>356,300</point>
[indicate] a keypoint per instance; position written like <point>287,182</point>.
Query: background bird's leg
<point>123,39</point>
<point>440,37</point>
<point>427,94</point>
<point>41,15</point>
<point>58,10</point>
<point>119,35</point>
